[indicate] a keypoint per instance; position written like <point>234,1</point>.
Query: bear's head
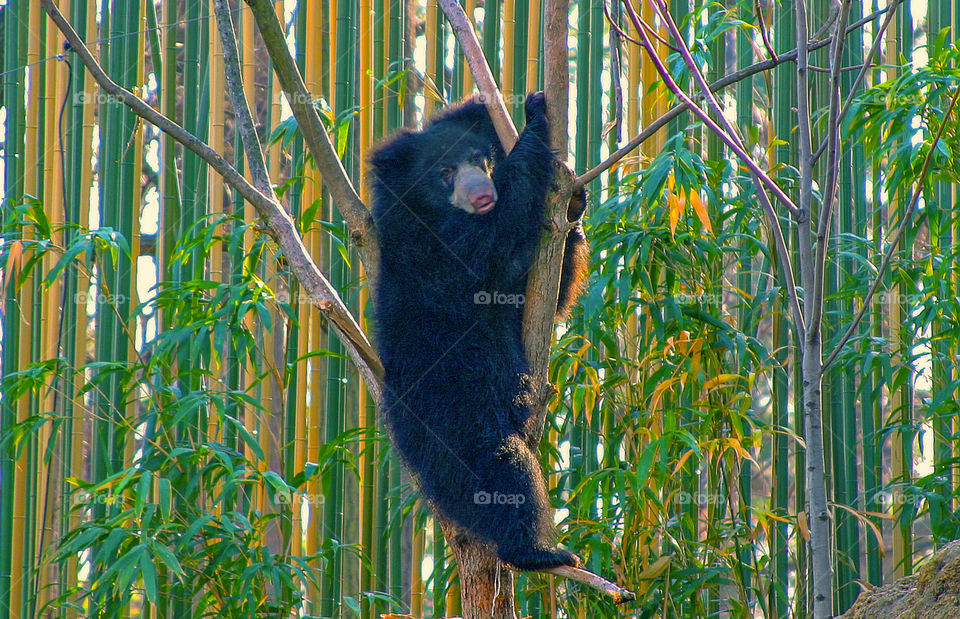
<point>448,164</point>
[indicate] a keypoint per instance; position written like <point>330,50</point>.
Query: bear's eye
<point>446,174</point>
<point>478,160</point>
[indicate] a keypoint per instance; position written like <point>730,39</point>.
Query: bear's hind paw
<point>535,559</point>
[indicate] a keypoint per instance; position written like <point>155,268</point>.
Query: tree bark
<point>486,585</point>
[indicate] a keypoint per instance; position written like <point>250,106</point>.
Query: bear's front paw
<point>536,105</point>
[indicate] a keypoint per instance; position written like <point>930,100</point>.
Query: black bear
<point>458,222</point>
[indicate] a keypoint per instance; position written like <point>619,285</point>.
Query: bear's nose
<point>482,198</point>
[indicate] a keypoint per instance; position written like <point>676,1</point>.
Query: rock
<point>931,593</point>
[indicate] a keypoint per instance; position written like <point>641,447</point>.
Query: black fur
<point>454,364</point>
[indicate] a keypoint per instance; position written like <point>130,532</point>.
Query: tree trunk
<point>820,525</point>
<point>486,585</point>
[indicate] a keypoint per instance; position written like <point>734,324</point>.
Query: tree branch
<point>888,256</point>
<point>357,215</point>
<point>619,595</point>
<point>716,86</point>
<point>489,93</point>
<point>321,293</point>
<point>833,161</point>
<point>891,11</point>
<point>241,111</point>
<point>556,73</point>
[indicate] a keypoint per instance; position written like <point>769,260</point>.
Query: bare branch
<point>811,354</point>
<point>241,110</point>
<point>486,84</point>
<point>357,215</point>
<point>891,11</point>
<point>556,72</point>
<point>619,594</point>
<point>888,256</point>
<point>759,178</point>
<point>833,161</point>
<point>716,86</point>
<point>322,294</point>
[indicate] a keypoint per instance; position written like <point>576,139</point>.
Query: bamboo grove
<point>182,433</point>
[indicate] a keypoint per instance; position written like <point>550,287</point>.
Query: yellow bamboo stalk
<point>653,103</point>
<point>311,325</point>
<point>434,72</point>
<point>366,142</point>
<point>468,82</point>
<point>218,114</point>
<point>634,88</point>
<point>416,572</point>
<point>533,45</point>
<point>509,36</point>
<point>48,507</point>
<point>217,140</point>
<point>899,467</point>
<point>307,314</point>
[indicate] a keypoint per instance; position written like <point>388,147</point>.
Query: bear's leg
<point>514,512</point>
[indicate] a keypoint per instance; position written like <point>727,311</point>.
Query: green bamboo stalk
<point>192,209</point>
<point>942,374</point>
<point>171,204</point>
<point>74,162</point>
<point>903,441</point>
<point>851,200</point>
<point>491,36</point>
<point>519,59</point>
<point>745,106</point>
<point>582,76</point>
<point>783,100</point>
<point>379,551</point>
<point>596,55</point>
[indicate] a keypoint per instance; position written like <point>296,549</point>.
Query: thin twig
<point>758,11</point>
<point>759,178</point>
<point>833,163</point>
<point>891,11</point>
<point>716,86</point>
<point>888,256</point>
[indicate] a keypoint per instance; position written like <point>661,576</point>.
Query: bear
<point>458,222</point>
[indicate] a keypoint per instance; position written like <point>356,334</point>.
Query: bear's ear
<point>398,152</point>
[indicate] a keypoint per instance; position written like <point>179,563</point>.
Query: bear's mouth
<point>484,205</point>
